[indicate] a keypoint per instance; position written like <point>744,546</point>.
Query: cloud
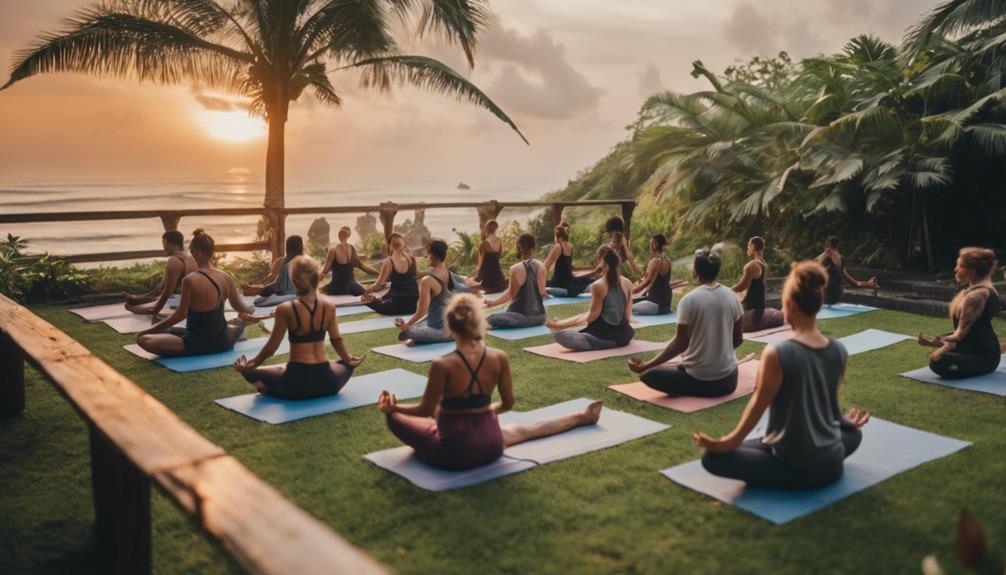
<point>214,103</point>
<point>649,81</point>
<point>749,31</point>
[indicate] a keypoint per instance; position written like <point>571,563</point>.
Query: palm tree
<point>268,51</point>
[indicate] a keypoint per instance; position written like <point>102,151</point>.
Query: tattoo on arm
<point>974,304</point>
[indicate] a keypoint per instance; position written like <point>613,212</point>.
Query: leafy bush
<point>464,252</point>
<point>47,278</point>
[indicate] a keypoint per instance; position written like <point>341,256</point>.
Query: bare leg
<point>146,308</point>
<point>251,289</point>
<point>162,344</point>
<point>514,434</point>
<point>262,378</point>
<point>1002,344</point>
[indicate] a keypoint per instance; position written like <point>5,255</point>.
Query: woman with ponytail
<point>609,315</point>
<point>563,283</point>
<point>807,438</point>
<point>656,283</point>
<point>276,287</point>
<point>204,292</point>
<point>398,270</point>
<point>526,290</point>
<point>466,432</point>
<point>489,271</point>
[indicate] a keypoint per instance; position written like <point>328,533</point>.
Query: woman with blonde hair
<point>466,432</point>
<point>399,269</point>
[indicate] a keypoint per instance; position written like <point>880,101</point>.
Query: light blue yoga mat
<point>365,325</point>
<point>361,390</point>
<point>871,339</point>
<point>419,353</point>
<point>248,348</point>
<point>993,383</point>
<point>887,450</point>
<point>563,300</point>
<point>843,310</point>
<point>518,333</point>
<point>614,427</point>
<point>652,320</point>
<point>352,310</point>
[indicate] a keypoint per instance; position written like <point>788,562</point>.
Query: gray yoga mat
<point>993,383</point>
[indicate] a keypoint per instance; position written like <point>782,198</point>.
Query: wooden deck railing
<point>136,441</point>
<point>277,220</point>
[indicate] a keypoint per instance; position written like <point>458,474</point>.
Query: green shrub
<point>47,278</point>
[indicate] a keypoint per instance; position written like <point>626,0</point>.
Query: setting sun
<point>231,125</point>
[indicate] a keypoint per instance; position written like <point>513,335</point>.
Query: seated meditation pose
<point>806,439</point>
<point>276,287</point>
<point>204,292</point>
<point>834,262</point>
<point>525,292</point>
<point>427,324</point>
<point>656,282</point>
<point>752,284</point>
<point>455,425</point>
<point>307,319</point>
<point>398,269</point>
<point>489,274</point>
<point>708,331</point>
<point>563,283</point>
<point>973,348</point>
<point>179,265</point>
<point>614,227</point>
<point>608,319</point>
<point>340,262</point>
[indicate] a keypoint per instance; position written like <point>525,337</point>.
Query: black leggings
<point>301,380</point>
<point>352,289</point>
<point>673,380</point>
<point>754,464</point>
<point>196,343</point>
<point>955,365</point>
<point>394,305</point>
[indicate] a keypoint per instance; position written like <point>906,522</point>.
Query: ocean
<point>230,190</point>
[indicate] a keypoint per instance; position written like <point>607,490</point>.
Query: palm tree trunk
<point>275,181</point>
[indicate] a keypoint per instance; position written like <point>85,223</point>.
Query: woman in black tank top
<point>752,284</point>
<point>202,305</point>
<point>973,348</point>
<point>564,282</point>
<point>656,282</point>
<point>306,320</point>
<point>489,273</point>
<point>179,265</point>
<point>343,281</point>
<point>403,293</point>
<point>834,264</point>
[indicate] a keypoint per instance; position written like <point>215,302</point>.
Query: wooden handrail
<point>136,439</point>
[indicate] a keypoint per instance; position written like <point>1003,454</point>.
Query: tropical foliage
<point>42,278</point>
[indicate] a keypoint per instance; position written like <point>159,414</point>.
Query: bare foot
<point>592,413</point>
<point>1002,345</point>
<point>259,387</point>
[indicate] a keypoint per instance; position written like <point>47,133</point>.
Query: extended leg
<point>514,434</point>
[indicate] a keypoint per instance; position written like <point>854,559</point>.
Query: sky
<point>571,73</point>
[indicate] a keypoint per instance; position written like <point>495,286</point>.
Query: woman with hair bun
<point>489,275</point>
<point>307,319</point>
<point>525,292</point>
<point>340,262</point>
<point>655,284</point>
<point>276,288</point>
<point>466,432</point>
<point>752,284</point>
<point>563,283</point>
<point>428,325</point>
<point>398,269</point>
<point>201,304</point>
<point>973,348</point>
<point>807,438</point>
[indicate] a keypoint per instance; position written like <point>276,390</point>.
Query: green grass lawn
<point>609,511</point>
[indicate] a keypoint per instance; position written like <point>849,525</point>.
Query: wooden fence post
<point>388,212</point>
<point>11,377</point>
<point>170,221</point>
<point>488,211</point>
<point>557,210</point>
<point>627,208</point>
<point>121,507</point>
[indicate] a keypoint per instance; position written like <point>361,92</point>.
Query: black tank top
<point>755,297</point>
<point>185,267</point>
<point>469,399</point>
<point>660,290</point>
<point>404,284</point>
<point>612,324</point>
<point>491,272</point>
<point>342,274</point>
<point>312,335</point>
<point>836,280</point>
<point>208,323</point>
<point>981,339</point>
<point>563,271</point>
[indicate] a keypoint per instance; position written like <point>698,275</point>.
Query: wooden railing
<point>277,220</point>
<point>136,440</point>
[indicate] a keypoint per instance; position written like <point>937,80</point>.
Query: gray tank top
<point>438,306</point>
<point>613,308</point>
<point>804,417</point>
<point>528,301</point>
<point>284,285</point>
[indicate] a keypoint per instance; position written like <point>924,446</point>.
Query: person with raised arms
<point>277,287</point>
<point>489,270</point>
<point>306,321</point>
<point>610,314</point>
<point>526,290</point>
<point>708,331</point>
<point>204,292</point>
<point>564,282</point>
<point>455,424</point>
<point>179,265</point>
<point>757,316</point>
<point>834,262</point>
<point>655,285</point>
<point>341,260</point>
<point>806,439</point>
<point>427,324</point>
<point>398,269</point>
<point>973,348</point>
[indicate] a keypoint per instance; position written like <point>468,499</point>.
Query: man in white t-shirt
<point>709,328</point>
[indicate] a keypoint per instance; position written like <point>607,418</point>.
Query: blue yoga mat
<point>419,353</point>
<point>352,310</point>
<point>364,325</point>
<point>518,333</point>
<point>871,339</point>
<point>652,320</point>
<point>563,300</point>
<point>248,347</point>
<point>843,310</point>
<point>887,450</point>
<point>993,383</point>
<point>361,390</point>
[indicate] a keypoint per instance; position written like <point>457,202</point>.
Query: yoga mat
<point>101,312</point>
<point>419,353</point>
<point>761,335</point>
<point>134,323</point>
<point>272,301</point>
<point>887,450</point>
<point>747,375</point>
<point>613,428</point>
<point>347,300</point>
<point>774,338</point>
<point>563,300</point>
<point>361,390</point>
<point>365,325</point>
<point>556,351</point>
<point>870,340</point>
<point>993,383</point>
<point>248,347</point>
<point>518,333</point>
<point>248,299</point>
<point>652,320</point>
<point>352,310</point>
<point>843,310</point>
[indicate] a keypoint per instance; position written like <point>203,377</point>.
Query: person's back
<point>528,301</point>
<point>710,311</point>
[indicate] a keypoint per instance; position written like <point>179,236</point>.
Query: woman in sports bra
<point>179,265</point>
<point>656,283</point>
<point>306,321</point>
<point>399,269</point>
<point>340,262</point>
<point>489,273</point>
<point>466,432</point>
<point>752,284</point>
<point>973,348</point>
<point>526,290</point>
<point>608,319</point>
<point>204,292</point>
<point>276,287</point>
<point>834,264</point>
<point>427,324</point>
<point>564,282</point>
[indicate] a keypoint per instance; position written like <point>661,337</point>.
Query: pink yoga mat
<point>347,300</point>
<point>747,374</point>
<point>556,351</point>
<point>759,335</point>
